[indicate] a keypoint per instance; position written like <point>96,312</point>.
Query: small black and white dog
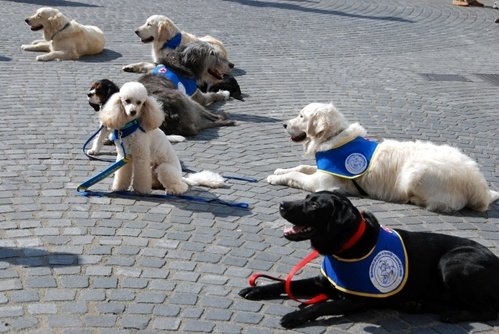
<point>368,266</point>
<point>100,91</point>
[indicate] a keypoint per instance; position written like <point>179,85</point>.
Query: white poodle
<point>151,154</point>
<point>63,38</point>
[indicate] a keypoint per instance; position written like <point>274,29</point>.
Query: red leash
<point>287,282</point>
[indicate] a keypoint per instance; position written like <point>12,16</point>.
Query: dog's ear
<point>112,114</point>
<point>166,30</point>
<point>151,115</point>
<point>56,22</point>
<point>344,211</point>
<point>319,125</point>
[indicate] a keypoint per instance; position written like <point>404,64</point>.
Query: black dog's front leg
<point>312,312</point>
<point>302,287</point>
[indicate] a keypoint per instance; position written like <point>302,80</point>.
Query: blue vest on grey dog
<point>185,85</point>
<point>349,161</point>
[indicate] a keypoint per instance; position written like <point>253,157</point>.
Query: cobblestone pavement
<point>69,264</point>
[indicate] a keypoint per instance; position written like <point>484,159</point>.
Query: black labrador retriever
<point>411,271</point>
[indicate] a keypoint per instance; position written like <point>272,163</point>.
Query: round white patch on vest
<point>386,271</point>
<point>181,88</point>
<point>356,163</point>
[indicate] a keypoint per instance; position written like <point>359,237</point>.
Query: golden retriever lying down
<point>165,36</point>
<point>62,39</point>
<point>438,177</point>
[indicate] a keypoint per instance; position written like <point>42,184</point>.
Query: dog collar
<point>173,43</point>
<point>381,273</point>
<point>127,130</point>
<point>186,85</point>
<point>357,235</point>
<point>349,160</point>
<point>58,31</point>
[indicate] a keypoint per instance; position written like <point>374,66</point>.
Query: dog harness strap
<point>357,235</point>
<point>296,268</point>
<point>348,161</point>
<point>186,85</point>
<point>381,273</point>
<point>127,130</point>
<point>173,43</point>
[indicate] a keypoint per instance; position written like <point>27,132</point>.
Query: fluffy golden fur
<point>63,39</point>
<point>438,177</point>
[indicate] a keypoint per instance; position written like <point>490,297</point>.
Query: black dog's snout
<point>285,125</point>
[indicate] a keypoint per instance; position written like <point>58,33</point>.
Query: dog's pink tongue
<point>293,230</point>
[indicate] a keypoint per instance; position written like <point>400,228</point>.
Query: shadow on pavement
<point>55,3</point>
<point>295,7</point>
<point>34,257</point>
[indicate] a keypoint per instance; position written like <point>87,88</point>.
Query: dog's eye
<point>127,101</point>
<point>301,116</point>
<point>139,103</point>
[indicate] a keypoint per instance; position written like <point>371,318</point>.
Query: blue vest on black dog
<point>185,85</point>
<point>382,273</point>
<point>349,161</point>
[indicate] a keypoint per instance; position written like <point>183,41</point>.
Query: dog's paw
<point>280,171</point>
<point>177,189</point>
<point>274,179</point>
<point>25,47</point>
<point>175,138</point>
<point>224,93</point>
<point>251,293</point>
<point>293,319</point>
<point>129,68</point>
<point>92,152</point>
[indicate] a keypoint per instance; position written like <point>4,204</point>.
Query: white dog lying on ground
<point>63,39</point>
<point>135,118</point>
<point>438,177</point>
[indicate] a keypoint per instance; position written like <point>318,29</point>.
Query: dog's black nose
<point>133,112</point>
<point>26,20</point>
<point>285,125</point>
<point>231,65</point>
<point>136,32</point>
<point>90,94</point>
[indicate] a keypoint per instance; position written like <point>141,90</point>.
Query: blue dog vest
<point>185,85</point>
<point>382,273</point>
<point>349,161</point>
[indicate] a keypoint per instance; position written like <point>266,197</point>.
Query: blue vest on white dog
<point>382,273</point>
<point>349,161</point>
<point>185,85</point>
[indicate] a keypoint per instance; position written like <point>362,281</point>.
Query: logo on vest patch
<point>386,271</point>
<point>356,163</point>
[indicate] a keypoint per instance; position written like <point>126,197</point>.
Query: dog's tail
<point>494,196</point>
<point>205,178</point>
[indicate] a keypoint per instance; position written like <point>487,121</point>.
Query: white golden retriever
<point>165,35</point>
<point>153,157</point>
<point>438,177</point>
<point>63,39</point>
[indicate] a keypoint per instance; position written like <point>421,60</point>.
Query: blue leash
<point>184,169</point>
<point>128,194</point>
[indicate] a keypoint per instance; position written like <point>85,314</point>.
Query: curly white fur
<point>151,153</point>
<point>438,177</point>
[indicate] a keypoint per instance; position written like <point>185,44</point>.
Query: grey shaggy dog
<point>199,61</point>
<point>183,115</point>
